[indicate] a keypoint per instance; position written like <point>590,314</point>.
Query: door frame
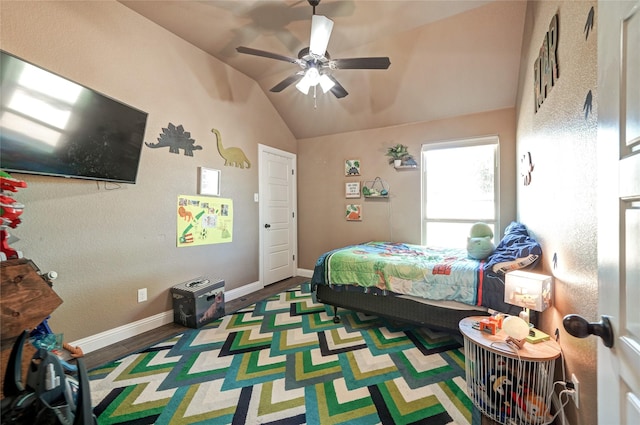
<point>261,205</point>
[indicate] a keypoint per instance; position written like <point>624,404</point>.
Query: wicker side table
<point>508,385</point>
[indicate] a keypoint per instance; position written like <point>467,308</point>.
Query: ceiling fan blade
<point>361,63</point>
<point>337,89</point>
<point>321,27</point>
<point>256,52</point>
<point>287,82</point>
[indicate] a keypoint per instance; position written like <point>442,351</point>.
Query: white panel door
<point>277,215</point>
<point>619,209</point>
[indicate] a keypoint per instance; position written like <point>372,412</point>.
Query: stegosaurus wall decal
<point>176,138</point>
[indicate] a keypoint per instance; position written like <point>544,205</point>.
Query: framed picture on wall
<point>352,167</point>
<point>352,189</point>
<point>354,212</point>
<point>208,181</point>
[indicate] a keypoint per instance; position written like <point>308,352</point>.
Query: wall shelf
<point>376,188</point>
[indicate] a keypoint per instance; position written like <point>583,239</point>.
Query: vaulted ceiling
<point>448,58</point>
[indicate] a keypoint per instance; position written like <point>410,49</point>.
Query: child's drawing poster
<point>204,220</point>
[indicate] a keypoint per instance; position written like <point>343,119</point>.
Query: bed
<point>433,287</point>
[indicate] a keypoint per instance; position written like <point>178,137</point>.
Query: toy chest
<point>198,301</point>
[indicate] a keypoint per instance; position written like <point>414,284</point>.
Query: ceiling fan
<point>314,61</point>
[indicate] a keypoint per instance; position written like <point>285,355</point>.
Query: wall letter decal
<point>545,67</point>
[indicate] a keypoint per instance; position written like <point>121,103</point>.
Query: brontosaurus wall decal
<point>232,156</point>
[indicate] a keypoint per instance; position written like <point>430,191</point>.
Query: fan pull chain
<point>315,99</point>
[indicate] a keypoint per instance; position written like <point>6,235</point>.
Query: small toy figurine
<point>489,326</point>
<point>499,317</point>
<point>75,351</point>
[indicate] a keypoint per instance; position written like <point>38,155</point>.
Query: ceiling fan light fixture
<point>312,75</point>
<point>311,79</point>
<point>326,83</point>
<point>304,85</point>
<point>315,61</point>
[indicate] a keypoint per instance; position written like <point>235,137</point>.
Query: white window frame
<point>460,143</point>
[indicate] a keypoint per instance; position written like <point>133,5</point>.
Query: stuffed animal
<point>500,386</point>
<point>533,409</point>
<point>479,243</point>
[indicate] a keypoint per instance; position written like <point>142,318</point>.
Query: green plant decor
<point>398,151</point>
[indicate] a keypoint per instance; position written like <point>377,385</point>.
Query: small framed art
<point>352,167</point>
<point>352,189</point>
<point>354,212</point>
<point>208,181</point>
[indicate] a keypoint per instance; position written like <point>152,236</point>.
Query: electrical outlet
<point>576,392</point>
<point>142,295</point>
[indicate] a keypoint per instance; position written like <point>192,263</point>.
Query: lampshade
<point>528,290</point>
<point>310,79</point>
<point>303,85</point>
<point>326,83</point>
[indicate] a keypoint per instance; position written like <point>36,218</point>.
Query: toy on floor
<point>74,351</point>
<point>532,408</point>
<point>49,396</point>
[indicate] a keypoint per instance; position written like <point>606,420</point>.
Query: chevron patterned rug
<point>284,361</point>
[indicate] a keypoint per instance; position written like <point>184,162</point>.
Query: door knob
<point>579,327</point>
<point>266,226</point>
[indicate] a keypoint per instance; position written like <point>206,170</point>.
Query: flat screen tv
<point>52,126</point>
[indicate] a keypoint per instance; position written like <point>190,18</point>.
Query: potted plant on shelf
<point>397,154</point>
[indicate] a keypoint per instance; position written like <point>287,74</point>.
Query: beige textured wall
<point>321,181</point>
<point>560,204</point>
<point>107,243</point>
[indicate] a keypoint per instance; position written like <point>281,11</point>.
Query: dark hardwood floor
<point>144,340</point>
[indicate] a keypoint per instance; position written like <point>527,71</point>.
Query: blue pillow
<point>516,250</point>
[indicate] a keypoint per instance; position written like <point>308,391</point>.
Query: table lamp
<point>527,290</point>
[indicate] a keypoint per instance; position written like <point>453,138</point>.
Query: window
<point>459,188</point>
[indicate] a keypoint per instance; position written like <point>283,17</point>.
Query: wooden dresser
<point>26,299</point>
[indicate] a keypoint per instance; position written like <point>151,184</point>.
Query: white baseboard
<point>242,291</point>
<point>113,336</point>
<point>304,273</point>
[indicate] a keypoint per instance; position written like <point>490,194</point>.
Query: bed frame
<point>395,308</point>
<point>516,250</point>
